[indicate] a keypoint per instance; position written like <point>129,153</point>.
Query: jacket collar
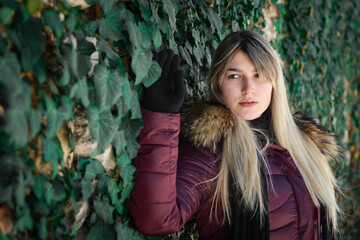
<point>206,124</point>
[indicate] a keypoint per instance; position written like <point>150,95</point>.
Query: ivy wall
<point>71,82</point>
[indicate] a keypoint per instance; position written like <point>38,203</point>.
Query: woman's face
<point>244,92</point>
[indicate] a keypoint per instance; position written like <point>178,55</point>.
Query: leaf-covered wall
<point>71,82</point>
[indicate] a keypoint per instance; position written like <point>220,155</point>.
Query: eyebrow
<point>238,70</point>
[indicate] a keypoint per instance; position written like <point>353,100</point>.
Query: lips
<point>248,103</point>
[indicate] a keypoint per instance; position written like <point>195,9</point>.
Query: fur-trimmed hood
<point>206,124</point>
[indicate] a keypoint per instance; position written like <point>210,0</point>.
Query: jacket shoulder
<point>205,124</point>
<point>324,139</point>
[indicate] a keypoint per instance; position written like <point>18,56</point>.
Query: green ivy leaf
<point>10,70</point>
<point>126,191</point>
<point>71,21</point>
<point>146,34</point>
<point>41,228</point>
<point>90,28</point>
<point>51,18</point>
<point>16,126</point>
<point>80,91</point>
<point>33,43</point>
<point>100,230</point>
<point>86,48</point>
<point>6,15</point>
<point>56,116</point>
<point>153,74</point>
<point>126,169</point>
<point>102,127</point>
<point>20,190</point>
<point>93,169</point>
<point>124,232</point>
<point>52,153</point>
<point>108,84</point>
<point>107,5</point>
<point>132,148</point>
<point>111,25</point>
<point>141,64</point>
<point>104,210</point>
<point>103,46</point>
<point>144,9</point>
<point>171,9</point>
<point>86,189</point>
<point>25,220</point>
<point>185,55</point>
<point>129,101</point>
<point>131,128</point>
<point>156,36</point>
<point>119,142</point>
<point>35,117</point>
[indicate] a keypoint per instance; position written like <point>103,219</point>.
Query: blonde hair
<point>242,155</point>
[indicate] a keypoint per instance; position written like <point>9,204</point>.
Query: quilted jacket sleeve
<point>166,194</point>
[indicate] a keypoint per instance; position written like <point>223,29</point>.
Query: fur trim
<point>206,124</point>
<point>323,138</point>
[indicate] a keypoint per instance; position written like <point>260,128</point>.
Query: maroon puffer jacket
<point>171,185</point>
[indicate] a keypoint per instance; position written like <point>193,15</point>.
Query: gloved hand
<point>167,93</point>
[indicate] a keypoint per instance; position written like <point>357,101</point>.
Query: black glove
<point>167,93</point>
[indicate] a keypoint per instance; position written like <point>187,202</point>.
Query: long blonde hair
<point>242,155</point>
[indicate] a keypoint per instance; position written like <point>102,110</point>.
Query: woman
<point>243,165</point>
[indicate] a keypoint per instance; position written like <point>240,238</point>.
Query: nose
<point>248,87</point>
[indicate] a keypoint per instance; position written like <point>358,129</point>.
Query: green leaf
<point>41,228</point>
<point>146,34</point>
<point>132,148</point>
<point>35,117</point>
<point>52,153</point>
<point>93,169</point>
<point>86,188</point>
<point>34,5</point>
<point>90,28</point>
<point>10,70</point>
<point>126,169</point>
<point>171,9</point>
<point>136,35</point>
<point>25,221</point>
<point>84,65</point>
<point>100,231</point>
<point>153,74</point>
<point>107,5</point>
<point>86,48</point>
<point>144,9</point>
<point>16,126</point>
<point>129,101</point>
<point>71,21</point>
<point>56,116</point>
<point>141,64</point>
<point>124,232</point>
<point>156,36</point>
<point>104,210</point>
<point>51,18</point>
<point>110,26</point>
<point>80,91</point>
<point>6,15</point>
<point>108,84</point>
<point>125,193</point>
<point>38,188</point>
<point>103,46</point>
<point>20,190</point>
<point>131,128</point>
<point>185,55</point>
<point>119,142</point>
<point>102,127</point>
<point>33,43</point>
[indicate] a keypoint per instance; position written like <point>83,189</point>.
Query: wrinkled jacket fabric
<point>173,178</point>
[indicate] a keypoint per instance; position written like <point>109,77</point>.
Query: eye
<point>256,75</point>
<point>234,76</point>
